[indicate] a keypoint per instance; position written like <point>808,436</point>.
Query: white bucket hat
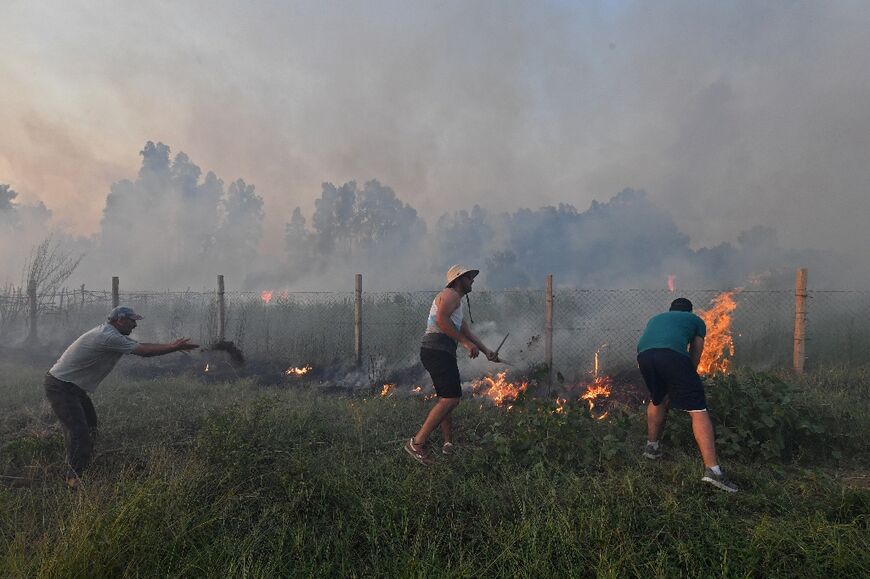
<point>457,271</point>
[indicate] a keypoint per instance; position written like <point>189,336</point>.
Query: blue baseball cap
<point>123,312</point>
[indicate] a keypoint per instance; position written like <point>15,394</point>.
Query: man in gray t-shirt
<point>81,368</point>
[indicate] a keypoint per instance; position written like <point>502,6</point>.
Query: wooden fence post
<point>83,296</point>
<point>222,312</point>
<point>357,320</point>
<point>32,335</point>
<point>548,333</point>
<point>116,298</point>
<point>800,320</point>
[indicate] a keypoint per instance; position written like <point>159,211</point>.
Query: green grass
<point>235,479</point>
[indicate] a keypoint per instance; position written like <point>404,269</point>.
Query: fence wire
<point>318,328</point>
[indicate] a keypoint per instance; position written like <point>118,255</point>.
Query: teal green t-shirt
<point>672,330</point>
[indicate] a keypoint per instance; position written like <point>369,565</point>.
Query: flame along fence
<point>384,328</point>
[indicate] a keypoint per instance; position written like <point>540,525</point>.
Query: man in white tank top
<point>446,328</point>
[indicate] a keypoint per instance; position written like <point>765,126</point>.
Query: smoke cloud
<point>743,123</point>
<point>173,228</point>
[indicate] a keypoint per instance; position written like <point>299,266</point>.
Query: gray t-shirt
<point>92,356</point>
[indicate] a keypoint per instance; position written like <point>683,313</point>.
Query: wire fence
<point>589,326</point>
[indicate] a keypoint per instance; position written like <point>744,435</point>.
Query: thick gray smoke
<point>355,229</point>
<point>731,115</point>
<point>173,228</point>
<point>22,227</point>
<point>625,242</point>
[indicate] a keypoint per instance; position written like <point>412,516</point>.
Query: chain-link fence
<point>589,326</point>
<point>837,327</point>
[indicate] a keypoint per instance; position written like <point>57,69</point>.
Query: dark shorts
<point>444,370</point>
<point>671,374</point>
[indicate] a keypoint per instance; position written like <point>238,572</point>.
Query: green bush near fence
<point>757,416</point>
<point>760,416</point>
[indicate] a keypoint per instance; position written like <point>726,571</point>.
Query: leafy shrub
<point>536,434</point>
<point>757,415</point>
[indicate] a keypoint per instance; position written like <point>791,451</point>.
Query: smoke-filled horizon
<point>737,120</point>
<point>174,226</point>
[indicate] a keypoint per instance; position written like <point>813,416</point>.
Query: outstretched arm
<point>150,350</point>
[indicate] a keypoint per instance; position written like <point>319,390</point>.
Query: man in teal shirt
<point>668,354</point>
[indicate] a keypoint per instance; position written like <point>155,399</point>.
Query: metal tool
<point>497,350</point>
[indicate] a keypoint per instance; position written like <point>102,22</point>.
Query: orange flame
<point>593,392</point>
<point>601,387</point>
<point>497,388</point>
<point>671,283</point>
<point>297,371</point>
<point>596,367</point>
<point>718,344</point>
<point>206,368</point>
<point>387,390</point>
<point>266,296</point>
<point>419,390</point>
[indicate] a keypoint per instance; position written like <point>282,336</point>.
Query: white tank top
<point>455,317</point>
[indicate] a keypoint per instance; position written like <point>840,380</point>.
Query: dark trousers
<point>74,409</point>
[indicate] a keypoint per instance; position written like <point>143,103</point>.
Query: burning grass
<point>718,344</point>
<point>600,389</point>
<point>298,370</point>
<point>498,389</point>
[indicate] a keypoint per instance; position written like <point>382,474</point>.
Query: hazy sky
<point>730,114</point>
